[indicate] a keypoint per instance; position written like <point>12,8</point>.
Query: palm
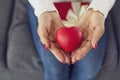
<point>92,25</point>
<point>48,24</point>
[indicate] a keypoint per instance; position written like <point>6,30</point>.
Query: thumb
<point>43,34</point>
<point>97,34</point>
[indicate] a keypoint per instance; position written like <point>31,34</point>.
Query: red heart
<point>69,38</point>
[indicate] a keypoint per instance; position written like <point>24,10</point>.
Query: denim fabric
<point>85,69</point>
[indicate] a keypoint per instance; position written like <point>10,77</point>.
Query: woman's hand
<point>49,22</point>
<point>92,25</point>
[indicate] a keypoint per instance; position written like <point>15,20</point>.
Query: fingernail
<point>73,62</point>
<point>95,46</point>
<point>45,46</point>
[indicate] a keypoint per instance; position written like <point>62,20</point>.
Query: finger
<point>67,57</point>
<point>97,34</point>
<point>42,32</point>
<point>44,24</point>
<point>65,54</point>
<point>74,57</point>
<point>76,52</point>
<point>57,53</point>
<point>52,37</point>
<point>83,50</point>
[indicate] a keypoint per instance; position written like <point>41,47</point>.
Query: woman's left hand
<point>92,26</point>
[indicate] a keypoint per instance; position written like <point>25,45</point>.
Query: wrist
<point>96,12</point>
<point>48,15</point>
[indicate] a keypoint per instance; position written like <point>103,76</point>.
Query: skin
<point>91,23</point>
<point>49,22</point>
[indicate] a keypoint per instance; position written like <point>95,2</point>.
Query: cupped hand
<point>92,26</point>
<point>49,22</point>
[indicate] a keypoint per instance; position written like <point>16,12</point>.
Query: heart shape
<point>69,38</point>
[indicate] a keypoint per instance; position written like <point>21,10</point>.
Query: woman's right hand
<point>49,22</point>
